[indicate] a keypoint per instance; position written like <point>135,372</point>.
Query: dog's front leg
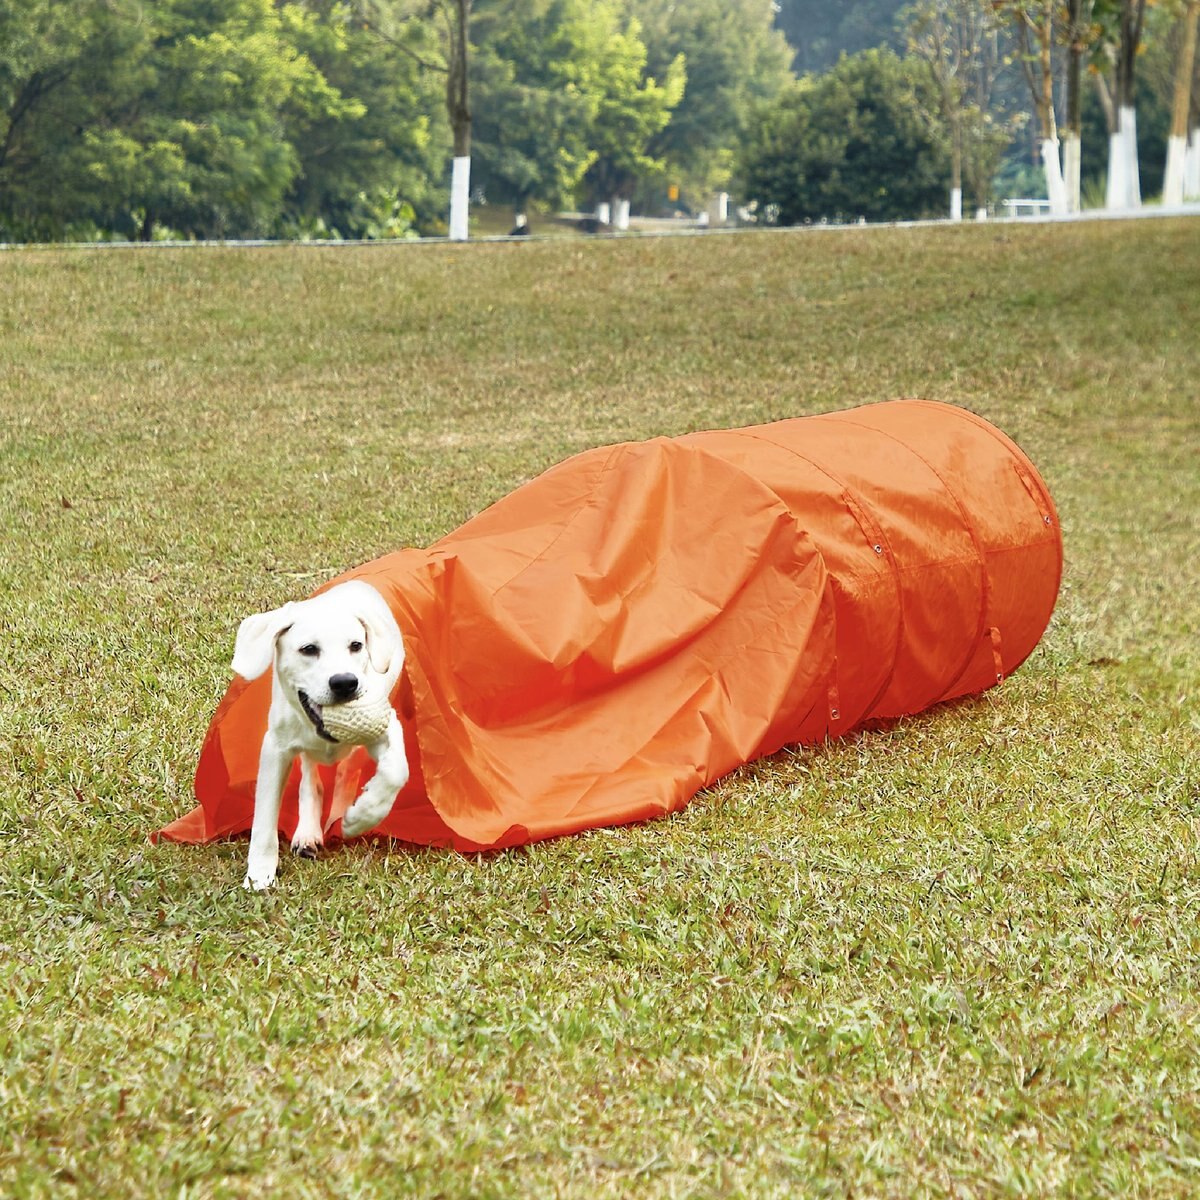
<point>391,774</point>
<point>263,862</point>
<point>307,839</point>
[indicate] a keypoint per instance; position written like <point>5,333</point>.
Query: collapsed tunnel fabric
<point>640,620</point>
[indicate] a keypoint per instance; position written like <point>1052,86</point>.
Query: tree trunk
<point>1072,164</point>
<point>956,165</point>
<point>1056,188</point>
<point>1124,181</point>
<point>1041,88</point>
<point>458,107</point>
<point>1173,181</point>
<point>1104,95</point>
<point>1191,170</point>
<point>1076,49</point>
<point>460,197</point>
<point>1124,185</point>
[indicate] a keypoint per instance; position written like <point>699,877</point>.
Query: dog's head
<point>341,645</point>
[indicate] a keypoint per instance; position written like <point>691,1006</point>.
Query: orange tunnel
<point>643,618</point>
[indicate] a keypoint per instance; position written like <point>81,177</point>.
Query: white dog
<point>339,646</point>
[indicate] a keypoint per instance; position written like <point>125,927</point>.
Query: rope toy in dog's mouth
<point>359,722</point>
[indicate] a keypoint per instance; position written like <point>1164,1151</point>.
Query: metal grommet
<point>1047,518</point>
<point>835,714</point>
<point>877,548</point>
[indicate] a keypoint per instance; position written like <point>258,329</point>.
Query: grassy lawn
<point>958,955</point>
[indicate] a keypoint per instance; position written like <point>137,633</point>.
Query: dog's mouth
<point>314,713</point>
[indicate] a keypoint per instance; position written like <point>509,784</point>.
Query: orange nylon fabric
<point>643,618</point>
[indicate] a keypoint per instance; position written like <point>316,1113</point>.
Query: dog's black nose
<point>344,686</point>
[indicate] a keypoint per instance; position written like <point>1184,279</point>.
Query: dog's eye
<point>355,647</point>
<point>311,650</point>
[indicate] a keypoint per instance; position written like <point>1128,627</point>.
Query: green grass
<point>958,955</point>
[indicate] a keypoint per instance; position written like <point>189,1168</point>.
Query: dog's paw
<point>353,823</point>
<point>261,870</point>
<point>360,817</point>
<point>306,845</point>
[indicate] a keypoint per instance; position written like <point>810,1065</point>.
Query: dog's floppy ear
<point>256,638</point>
<point>384,643</point>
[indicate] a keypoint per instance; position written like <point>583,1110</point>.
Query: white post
<point>622,213</point>
<point>1056,191</point>
<point>956,204</point>
<point>981,213</point>
<point>1124,185</point>
<point>1071,172</point>
<point>460,194</point>
<point>1133,183</point>
<point>1114,191</point>
<point>717,212</point>
<point>1172,196</point>
<point>603,212</point>
<point>1191,173</point>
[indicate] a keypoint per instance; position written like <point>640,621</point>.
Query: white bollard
<point>460,195</point>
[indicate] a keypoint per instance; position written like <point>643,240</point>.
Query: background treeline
<point>300,118</point>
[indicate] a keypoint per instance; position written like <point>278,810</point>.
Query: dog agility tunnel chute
<point>643,618</point>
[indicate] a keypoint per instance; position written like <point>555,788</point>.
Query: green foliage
<point>735,59</point>
<point>562,91</point>
<point>234,118</point>
<point>534,72</point>
<point>164,113</point>
<point>230,118</point>
<point>855,142</point>
<point>960,43</point>
<point>370,167</point>
<point>304,118</point>
<point>563,87</point>
<point>632,107</point>
<point>48,63</point>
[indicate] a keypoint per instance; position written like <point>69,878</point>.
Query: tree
<point>855,142</point>
<point>959,42</point>
<point>533,67</point>
<point>1191,171</point>
<point>566,99</point>
<point>164,113</point>
<point>41,46</point>
<point>1080,33</point>
<point>632,107</point>
<point>369,170</point>
<point>1034,24</point>
<point>1123,22</point>
<point>456,15</point>
<point>735,59</point>
<point>437,35</point>
<point>1177,145</point>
